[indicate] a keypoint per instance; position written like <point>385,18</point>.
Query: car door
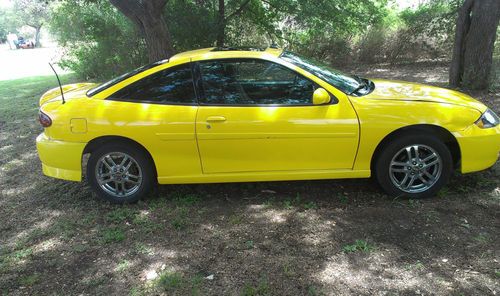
<point>159,111</point>
<point>257,116</point>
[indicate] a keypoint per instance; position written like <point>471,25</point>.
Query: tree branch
<point>239,10</point>
<point>130,9</point>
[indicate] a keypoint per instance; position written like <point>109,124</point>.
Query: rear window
<point>122,77</point>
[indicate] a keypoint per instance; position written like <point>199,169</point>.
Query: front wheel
<point>119,173</point>
<point>414,166</point>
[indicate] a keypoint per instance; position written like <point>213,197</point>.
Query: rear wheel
<point>414,166</point>
<point>119,173</point>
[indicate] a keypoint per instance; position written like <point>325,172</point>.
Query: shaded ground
<point>279,238</point>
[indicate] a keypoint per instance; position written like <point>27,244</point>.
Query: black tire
<point>385,177</point>
<point>142,161</point>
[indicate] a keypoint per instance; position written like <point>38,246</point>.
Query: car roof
<point>220,52</point>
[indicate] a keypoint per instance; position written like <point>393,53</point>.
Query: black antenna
<point>59,81</point>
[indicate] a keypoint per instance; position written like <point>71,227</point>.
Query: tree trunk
<point>37,36</point>
<point>221,24</point>
<point>148,18</point>
<point>475,36</point>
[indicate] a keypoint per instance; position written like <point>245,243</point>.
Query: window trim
<point>195,90</point>
<point>201,90</point>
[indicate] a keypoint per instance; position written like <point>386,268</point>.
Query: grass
<point>359,245</point>
<point>310,205</point>
<point>123,265</point>
<point>14,93</point>
<point>235,219</point>
<point>259,289</point>
<point>290,203</point>
<point>415,266</point>
<point>29,280</point>
<point>112,235</point>
<point>186,200</point>
<point>141,248</point>
<point>249,244</point>
<point>23,254</point>
<point>482,238</point>
<point>120,215</point>
<point>171,283</point>
<point>180,220</point>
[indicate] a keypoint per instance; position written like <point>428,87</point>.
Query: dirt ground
<point>342,237</point>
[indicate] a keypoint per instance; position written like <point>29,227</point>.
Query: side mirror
<point>321,97</point>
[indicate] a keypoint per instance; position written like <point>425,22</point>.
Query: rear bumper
<point>479,148</point>
<point>61,160</point>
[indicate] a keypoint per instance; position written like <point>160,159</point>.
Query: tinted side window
<point>253,82</point>
<point>170,86</point>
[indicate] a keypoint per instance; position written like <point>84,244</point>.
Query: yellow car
<point>248,114</point>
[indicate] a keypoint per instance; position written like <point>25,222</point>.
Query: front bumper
<point>61,160</point>
<point>479,148</point>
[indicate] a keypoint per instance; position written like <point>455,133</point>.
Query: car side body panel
<point>331,141</point>
<point>381,118</point>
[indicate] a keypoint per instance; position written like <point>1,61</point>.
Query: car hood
<point>408,91</point>
<point>71,91</point>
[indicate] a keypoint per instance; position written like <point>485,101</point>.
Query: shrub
<point>99,41</point>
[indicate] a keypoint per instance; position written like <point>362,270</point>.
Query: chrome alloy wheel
<point>415,168</point>
<point>118,174</point>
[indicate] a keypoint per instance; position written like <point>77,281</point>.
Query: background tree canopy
<point>105,38</point>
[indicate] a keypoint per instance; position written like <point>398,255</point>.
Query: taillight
<point>44,119</point>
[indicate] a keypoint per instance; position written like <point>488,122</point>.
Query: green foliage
<point>9,23</point>
<point>100,42</point>
<point>32,13</point>
<point>194,28</point>
<point>326,31</point>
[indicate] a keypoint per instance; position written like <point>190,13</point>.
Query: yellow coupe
<point>248,114</point>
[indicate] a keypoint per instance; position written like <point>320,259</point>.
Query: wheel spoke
<point>401,184</point>
<point>105,162</point>
<point>132,182</point>
<point>412,180</point>
<point>433,155</point>
<point>421,178</point>
<point>415,149</point>
<point>111,160</point>
<point>132,176</point>
<point>103,181</point>
<point>398,163</point>
<point>429,175</point>
<point>124,160</point>
<point>408,153</point>
<point>427,165</point>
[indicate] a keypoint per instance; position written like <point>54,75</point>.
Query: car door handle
<point>216,119</point>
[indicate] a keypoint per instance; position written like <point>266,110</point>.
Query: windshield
<point>122,77</point>
<point>346,83</point>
